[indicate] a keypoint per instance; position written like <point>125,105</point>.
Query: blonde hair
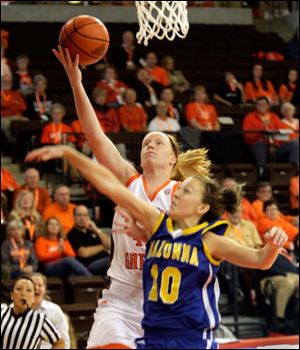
<point>44,279</point>
<point>192,162</point>
<point>17,211</point>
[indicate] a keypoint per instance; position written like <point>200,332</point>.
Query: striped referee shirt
<point>25,331</point>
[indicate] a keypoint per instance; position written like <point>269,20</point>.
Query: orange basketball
<point>86,36</point>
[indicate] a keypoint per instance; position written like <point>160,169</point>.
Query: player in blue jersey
<point>184,250</point>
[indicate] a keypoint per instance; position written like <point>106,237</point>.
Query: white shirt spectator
<point>158,124</point>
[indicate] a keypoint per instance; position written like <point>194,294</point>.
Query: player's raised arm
<point>226,249</point>
<point>104,181</point>
<point>104,150</point>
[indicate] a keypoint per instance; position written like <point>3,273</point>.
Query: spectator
<point>126,56</point>
<point>22,327</point>
<point>12,106</point>
<point>8,186</point>
<point>132,115</point>
<point>248,212</point>
<point>22,76</point>
<point>81,141</point>
<point>177,80</point>
<point>62,209</point>
<point>5,68</point>
<point>147,89</point>
<point>24,210</point>
<point>162,122</point>
<point>106,115</point>
<point>272,218</point>
<point>41,195</point>
<point>265,120</point>
<point>167,95</point>
<point>230,92</point>
<point>200,114</point>
<point>287,90</point>
<point>56,253</point>
<point>89,242</point>
<point>159,74</point>
<point>258,87</point>
<point>294,194</point>
<point>53,132</point>
<point>50,309</point>
<point>289,121</point>
<point>17,253</point>
<point>113,87</point>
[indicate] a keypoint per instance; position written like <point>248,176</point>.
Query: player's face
<point>187,202</point>
<point>23,294</point>
<point>157,151</point>
<point>40,289</point>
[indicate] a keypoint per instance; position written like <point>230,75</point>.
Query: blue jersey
<point>181,290</point>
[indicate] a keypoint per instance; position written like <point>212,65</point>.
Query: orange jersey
<point>160,75</point>
<point>133,118</point>
<point>286,93</point>
<point>52,133</point>
<point>252,121</point>
<point>66,217</point>
<point>205,114</point>
<point>252,93</point>
<point>294,192</point>
<point>12,103</point>
<point>111,89</point>
<point>47,250</point>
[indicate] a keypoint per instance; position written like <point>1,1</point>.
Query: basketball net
<point>161,19</point>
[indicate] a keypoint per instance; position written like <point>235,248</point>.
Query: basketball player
<point>117,321</point>
<point>183,253</point>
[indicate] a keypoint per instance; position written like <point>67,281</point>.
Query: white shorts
<point>117,318</point>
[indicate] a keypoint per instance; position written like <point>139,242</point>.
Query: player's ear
<point>173,159</point>
<point>203,209</point>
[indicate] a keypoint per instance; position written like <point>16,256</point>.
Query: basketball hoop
<point>161,19</point>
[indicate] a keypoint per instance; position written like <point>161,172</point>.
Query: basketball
<point>86,36</point>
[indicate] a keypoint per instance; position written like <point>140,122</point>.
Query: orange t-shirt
<point>252,121</point>
<point>160,75</point>
<point>252,93</point>
<point>205,114</point>
<point>52,133</point>
<point>112,90</point>
<point>108,120</point>
<point>294,192</point>
<point>12,103</point>
<point>133,118</point>
<point>41,197</point>
<point>286,94</point>
<point>258,207</point>
<point>8,182</point>
<point>294,126</point>
<point>80,138</point>
<point>47,250</point>
<point>66,217</point>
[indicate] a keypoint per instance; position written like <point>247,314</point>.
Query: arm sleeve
<point>61,323</point>
<point>49,332</point>
<point>68,250</point>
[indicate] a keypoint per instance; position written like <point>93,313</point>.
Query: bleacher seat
<point>87,288</point>
<point>56,290</point>
<point>280,174</point>
<point>243,173</point>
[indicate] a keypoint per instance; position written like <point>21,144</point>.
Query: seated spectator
<point>230,92</point>
<point>41,195</point>
<point>54,131</point>
<point>177,80</point>
<point>294,194</point>
<point>248,212</point>
<point>12,106</point>
<point>265,120</point>
<point>107,116</point>
<point>113,87</point>
<point>287,90</point>
<point>132,115</point>
<point>264,193</point>
<point>24,210</point>
<point>22,76</point>
<point>162,122</point>
<point>17,253</point>
<point>258,87</point>
<point>200,114</point>
<point>89,242</point>
<point>159,74</point>
<point>272,218</point>
<point>8,183</point>
<point>56,253</point>
<point>289,121</point>
<point>147,89</point>
<point>167,95</point>
<point>126,56</point>
<point>62,209</point>
<point>39,103</point>
<point>53,311</point>
<point>81,141</point>
<point>5,67</point>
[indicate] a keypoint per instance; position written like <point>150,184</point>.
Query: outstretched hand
<point>276,236</point>
<point>45,153</point>
<point>71,66</point>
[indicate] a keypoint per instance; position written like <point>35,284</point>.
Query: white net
<point>161,19</point>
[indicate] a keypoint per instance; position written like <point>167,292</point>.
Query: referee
<point>22,327</point>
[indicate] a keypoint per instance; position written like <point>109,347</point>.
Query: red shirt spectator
<point>8,182</point>
<point>12,102</point>
<point>286,91</point>
<point>294,192</point>
<point>158,74</point>
<point>289,122</point>
<point>80,137</point>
